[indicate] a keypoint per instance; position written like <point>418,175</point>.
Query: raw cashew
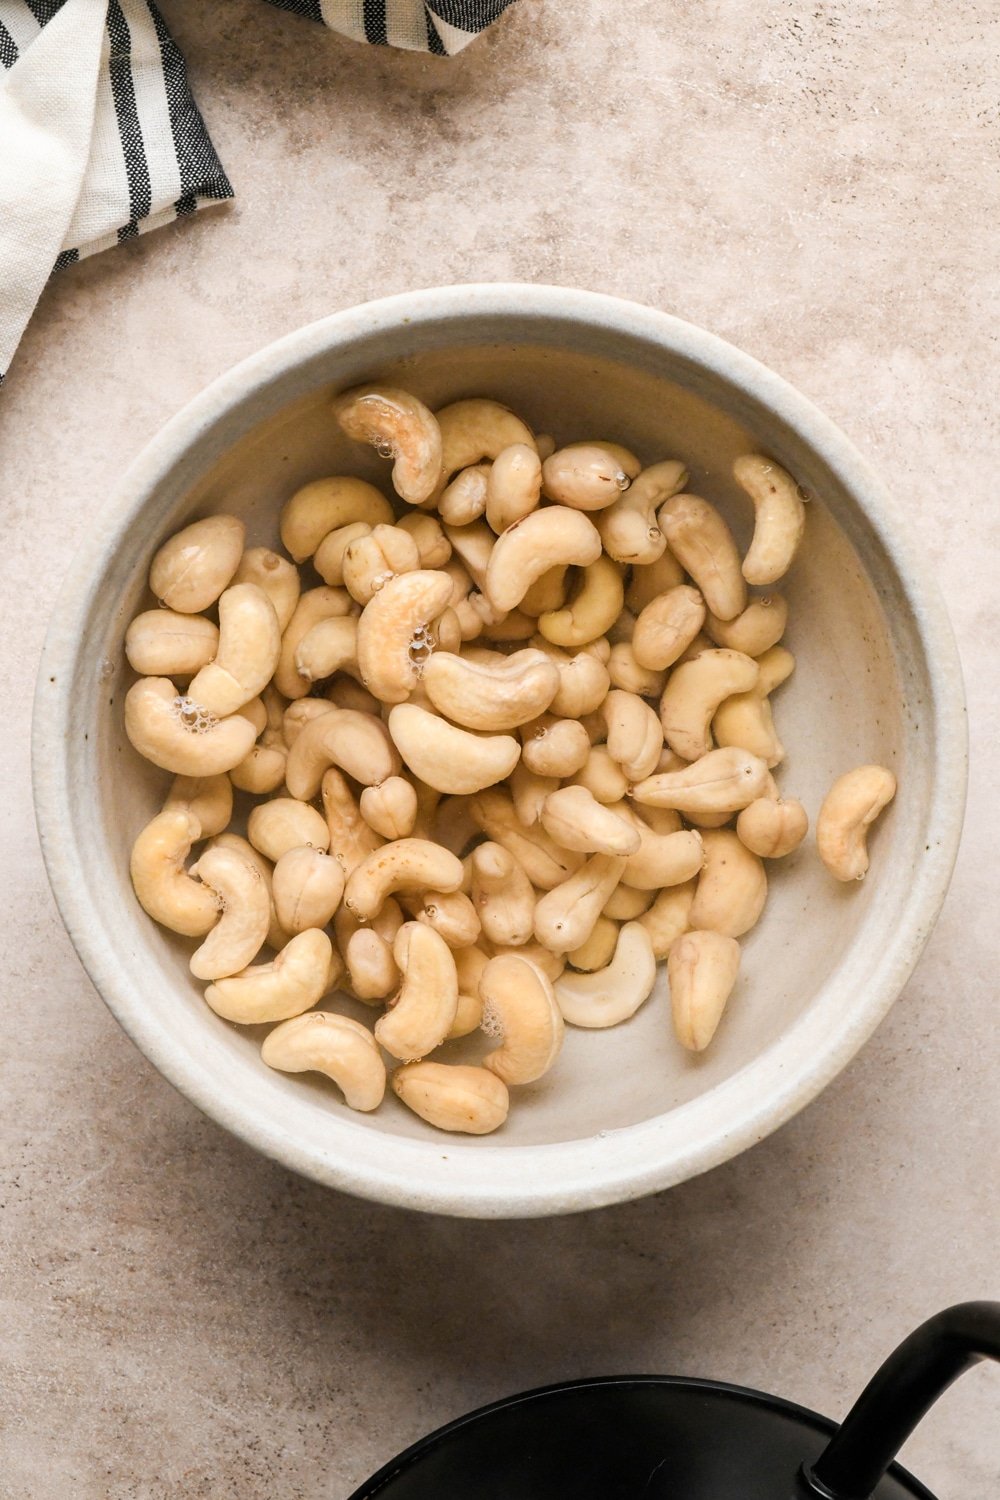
<point>693,695</point>
<point>723,781</point>
<point>565,916</point>
<point>277,937</point>
<point>278,578</point>
<point>329,557</point>
<point>452,915</point>
<point>324,506</point>
<point>502,896</point>
<point>290,984</point>
<point>495,697</point>
<point>453,1097</point>
<point>469,964</point>
<point>344,692</point>
<point>370,561</point>
<point>358,743</point>
<point>772,828</point>
<point>263,770</point>
<point>342,1049</point>
<point>371,968</point>
<point>544,539</point>
<point>667,918</point>
<point>391,808</point>
<point>164,888</point>
<point>576,821</point>
<point>176,734</point>
<point>163,643</point>
<point>464,499</point>
<point>701,643</point>
<point>350,838</point>
<point>627,904</point>
<point>514,485</point>
<point>190,570</point>
<point>403,865</point>
<point>635,738</point>
<point>626,673</point>
<point>598,950</point>
<point>775,667</point>
<point>473,544</point>
<point>649,581</point>
<point>587,476</point>
<point>246,913</point>
<point>601,776</point>
<point>422,1012</point>
<point>400,427</point>
<point>584,680</point>
<point>701,971</point>
<point>661,859</point>
<point>307,886</point>
<point>592,610</point>
<point>394,632</point>
<point>514,626</point>
<point>630,530</point>
<point>745,720</point>
<point>546,593</point>
<point>284,823</point>
<point>732,888</point>
<point>756,630</point>
<point>544,863</point>
<point>667,626</point>
<point>300,713</point>
<point>529,792</point>
<point>247,654</point>
<point>780,517</point>
<point>519,1005</point>
<point>475,430</point>
<point>450,759</point>
<point>612,994</point>
<point>554,747</point>
<point>314,605</point>
<point>700,539</point>
<point>850,807</point>
<point>432,544</point>
<point>209,798</point>
<point>330,646</point>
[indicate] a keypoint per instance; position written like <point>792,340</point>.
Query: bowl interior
<point>860,693</point>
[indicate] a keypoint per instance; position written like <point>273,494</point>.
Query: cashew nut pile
<point>500,749</point>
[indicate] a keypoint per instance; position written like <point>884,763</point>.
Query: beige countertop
<point>818,184</point>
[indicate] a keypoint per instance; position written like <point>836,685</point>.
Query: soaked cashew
<point>453,1097</point>
<point>432,544</point>
<point>667,918</point>
<point>745,720</point>
<point>630,530</point>
<point>780,517</point>
<point>772,828</point>
<point>314,605</point>
<point>544,863</point>
<point>648,581</point>
<point>588,476</point>
<point>584,680</point>
<point>496,696</point>
<point>391,808</point>
<point>502,895</point>
<point>277,937</point>
<point>263,770</point>
<point>565,916</point>
<point>342,1049</point>
<point>245,901</point>
<point>850,807</point>
<point>300,713</point>
<point>393,632</point>
<point>661,859</point>
<point>529,792</point>
<point>701,971</point>
<point>165,890</point>
<point>209,798</point>
<point>190,570</point>
<point>514,486</point>
<point>370,561</point>
<point>464,499</point>
<point>667,625</point>
<point>330,646</point>
<point>358,743</point>
<point>577,821</point>
<point>635,738</point>
<point>346,693</point>
<point>163,643</point>
<point>329,556</point>
<point>614,993</point>
<point>591,611</point>
<point>422,1012</point>
<point>400,427</point>
<point>326,505</point>
<point>371,969</point>
<point>473,545</point>
<point>626,673</point>
<point>545,539</point>
<point>177,735</point>
<point>732,888</point>
<point>291,983</point>
<point>284,823</point>
<point>450,759</point>
<point>351,839</point>
<point>474,430</point>
<point>625,903</point>
<point>403,865</point>
<point>451,914</point>
<point>554,747</point>
<point>247,654</point>
<point>693,695</point>
<point>278,578</point>
<point>723,781</point>
<point>700,539</point>
<point>756,630</point>
<point>601,776</point>
<point>469,966</point>
<point>519,1005</point>
<point>306,886</point>
<point>598,951</point>
<point>546,593</point>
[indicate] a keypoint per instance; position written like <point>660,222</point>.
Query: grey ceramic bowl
<point>625,1112</point>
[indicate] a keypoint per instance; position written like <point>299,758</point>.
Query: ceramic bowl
<point>626,1111</point>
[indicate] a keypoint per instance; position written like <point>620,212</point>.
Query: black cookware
<point>653,1437</point>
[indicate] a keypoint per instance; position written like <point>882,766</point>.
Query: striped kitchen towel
<point>100,136</point>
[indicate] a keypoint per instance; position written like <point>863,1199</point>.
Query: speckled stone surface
<point>821,185</point>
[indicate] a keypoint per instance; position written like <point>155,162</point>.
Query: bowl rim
<point>614,1166</point>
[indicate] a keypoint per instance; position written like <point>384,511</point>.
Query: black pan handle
<point>896,1398</point>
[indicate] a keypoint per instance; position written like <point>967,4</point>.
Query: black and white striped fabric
<point>100,135</point>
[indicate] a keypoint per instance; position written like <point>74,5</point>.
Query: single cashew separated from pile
<point>772,828</point>
<point>324,506</point>
<point>190,570</point>
<point>630,530</point>
<point>342,1049</point>
<point>165,890</point>
<point>502,895</point>
<point>780,517</point>
<point>545,539</point>
<point>394,632</point>
<point>849,809</point>
<point>163,643</point>
<point>450,759</point>
<point>398,426</point>
<point>700,539</point>
<point>612,994</point>
<point>422,1012</point>
<point>732,887</point>
<point>723,781</point>
<point>292,983</point>
<point>701,971</point>
<point>520,1007</point>
<point>245,901</point>
<point>471,1100</point>
<point>403,865</point>
<point>176,734</point>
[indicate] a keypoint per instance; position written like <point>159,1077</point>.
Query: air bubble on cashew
<point>195,719</point>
